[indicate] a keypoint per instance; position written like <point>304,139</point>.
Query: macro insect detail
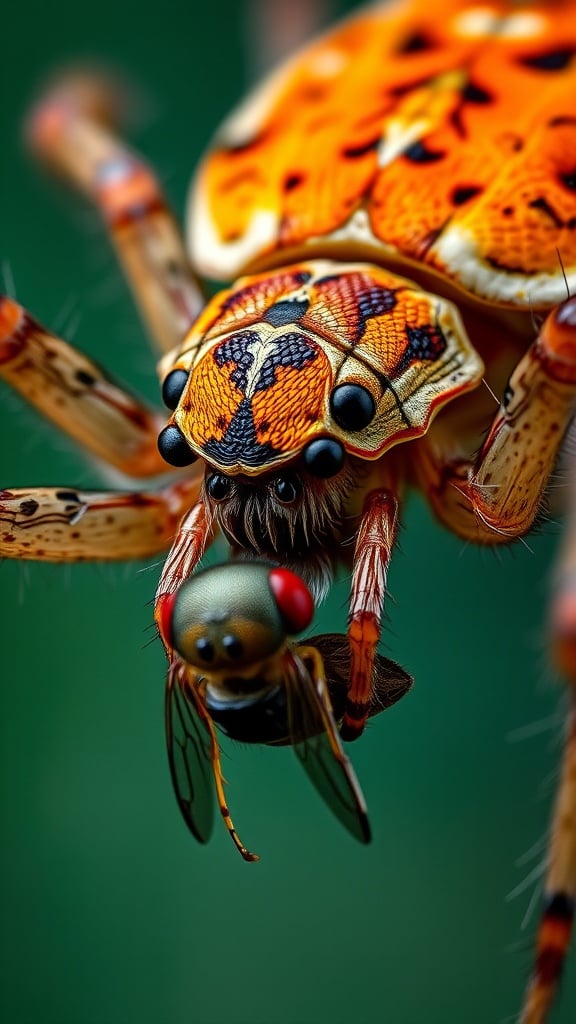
<point>401,318</point>
<point>232,664</point>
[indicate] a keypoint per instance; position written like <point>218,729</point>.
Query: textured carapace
<point>345,351</point>
<point>447,140</point>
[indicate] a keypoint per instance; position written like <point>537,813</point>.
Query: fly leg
<point>71,129</point>
<point>371,560</point>
<point>219,782</point>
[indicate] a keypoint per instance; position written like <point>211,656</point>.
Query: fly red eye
<point>294,600</point>
<point>163,614</point>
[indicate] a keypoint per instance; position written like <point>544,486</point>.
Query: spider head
<point>288,516</point>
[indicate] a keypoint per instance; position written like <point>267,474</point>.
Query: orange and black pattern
<point>264,361</point>
<point>452,138</point>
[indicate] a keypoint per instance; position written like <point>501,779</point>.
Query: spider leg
<point>194,535</point>
<point>280,27</point>
<point>76,395</point>
<point>371,560</point>
<point>51,524</point>
<point>71,130</point>
<point>557,916</point>
<point>491,501</point>
<point>497,496</point>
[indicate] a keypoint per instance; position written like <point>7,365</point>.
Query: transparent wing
<point>390,682</point>
<point>189,752</point>
<point>314,736</point>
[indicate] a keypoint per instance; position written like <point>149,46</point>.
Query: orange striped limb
<point>77,396</point>
<point>194,535</point>
<point>497,497</point>
<point>371,560</point>
<point>220,796</point>
<point>556,923</point>
<point>557,918</point>
<point>279,27</point>
<point>195,694</point>
<point>51,524</point>
<point>70,130</point>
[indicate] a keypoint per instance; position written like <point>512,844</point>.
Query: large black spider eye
<point>352,406</point>
<point>173,387</point>
<point>174,447</point>
<point>286,488</point>
<point>323,457</point>
<point>218,486</point>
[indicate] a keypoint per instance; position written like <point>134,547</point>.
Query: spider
<point>71,130</point>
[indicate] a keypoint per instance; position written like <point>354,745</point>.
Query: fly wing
<point>390,682</point>
<point>314,735</point>
<point>189,752</point>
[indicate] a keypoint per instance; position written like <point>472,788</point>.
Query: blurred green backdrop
<point>111,913</point>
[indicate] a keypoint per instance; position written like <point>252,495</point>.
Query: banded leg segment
<point>70,131</point>
<point>371,560</point>
<point>50,524</point>
<point>195,534</point>
<point>219,784</point>
<point>497,497</point>
<point>491,501</point>
<point>280,27</point>
<point>76,395</point>
<point>557,918</point>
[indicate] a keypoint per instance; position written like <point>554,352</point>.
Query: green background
<point>110,912</point>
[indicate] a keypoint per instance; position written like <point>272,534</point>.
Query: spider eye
<point>352,406</point>
<point>218,486</point>
<point>324,457</point>
<point>286,488</point>
<point>173,387</point>
<point>174,447</point>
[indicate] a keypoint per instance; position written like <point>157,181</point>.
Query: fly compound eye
<point>293,599</point>
<point>218,486</point>
<point>286,488</point>
<point>164,615</point>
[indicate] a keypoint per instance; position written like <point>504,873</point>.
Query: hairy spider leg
<point>62,524</point>
<point>559,891</point>
<point>373,552</point>
<point>76,395</point>
<point>71,131</point>
<point>491,501</point>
